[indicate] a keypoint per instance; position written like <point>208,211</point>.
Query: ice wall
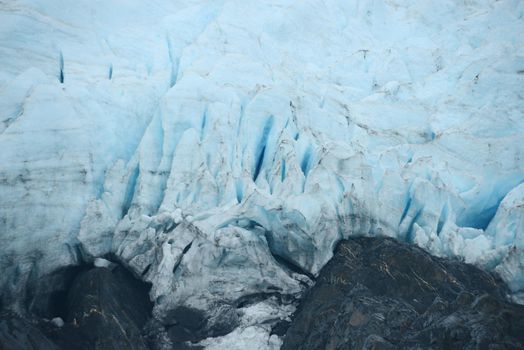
<point>190,139</point>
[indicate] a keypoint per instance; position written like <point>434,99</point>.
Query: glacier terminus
<point>219,150</point>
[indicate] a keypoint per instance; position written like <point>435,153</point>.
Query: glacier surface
<point>220,149</point>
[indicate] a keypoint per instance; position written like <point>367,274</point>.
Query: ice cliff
<point>220,149</point>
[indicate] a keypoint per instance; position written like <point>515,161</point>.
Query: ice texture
<point>220,149</point>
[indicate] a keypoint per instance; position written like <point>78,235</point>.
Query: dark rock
<point>105,310</point>
<point>376,342</point>
<point>18,333</point>
<point>281,327</point>
<point>377,293</point>
<point>185,324</point>
<point>46,296</point>
<point>223,320</point>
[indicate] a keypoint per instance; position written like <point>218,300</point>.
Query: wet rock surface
<point>103,309</point>
<point>19,333</point>
<point>106,310</point>
<point>185,324</point>
<point>377,293</point>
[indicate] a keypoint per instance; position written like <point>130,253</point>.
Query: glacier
<point>220,149</point>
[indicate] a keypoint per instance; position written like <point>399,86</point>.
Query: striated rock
<point>106,309</point>
<point>17,333</point>
<point>377,293</point>
<point>103,309</point>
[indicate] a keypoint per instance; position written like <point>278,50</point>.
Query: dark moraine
<point>377,293</point>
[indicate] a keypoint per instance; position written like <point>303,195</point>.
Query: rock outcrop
<point>377,293</point>
<point>103,309</point>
